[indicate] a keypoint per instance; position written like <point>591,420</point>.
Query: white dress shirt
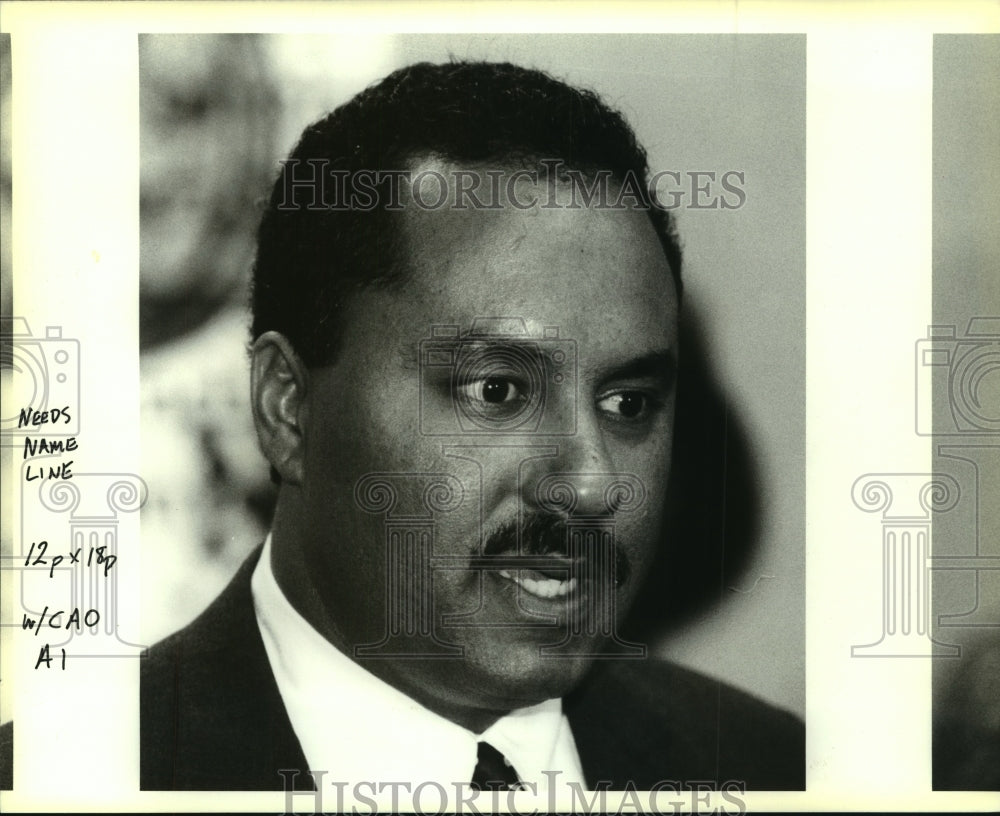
<point>360,729</point>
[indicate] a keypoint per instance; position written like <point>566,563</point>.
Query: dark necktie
<point>493,771</point>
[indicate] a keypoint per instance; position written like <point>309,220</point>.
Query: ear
<point>279,383</point>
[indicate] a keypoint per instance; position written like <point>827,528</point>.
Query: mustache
<point>541,534</point>
<point>537,535</point>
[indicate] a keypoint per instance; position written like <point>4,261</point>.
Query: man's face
<point>529,357</point>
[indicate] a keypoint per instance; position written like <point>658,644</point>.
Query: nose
<point>588,495</point>
<point>580,481</point>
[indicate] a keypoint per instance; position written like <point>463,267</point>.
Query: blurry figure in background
<point>208,112</point>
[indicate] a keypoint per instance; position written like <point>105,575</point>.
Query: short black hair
<point>311,258</point>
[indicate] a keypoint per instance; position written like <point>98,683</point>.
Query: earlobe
<point>278,387</point>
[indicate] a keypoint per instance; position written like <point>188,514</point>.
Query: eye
<point>500,391</point>
<point>496,390</point>
<point>625,405</point>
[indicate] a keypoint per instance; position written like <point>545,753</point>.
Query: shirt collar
<point>359,728</point>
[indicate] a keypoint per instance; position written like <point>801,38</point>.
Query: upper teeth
<point>540,587</point>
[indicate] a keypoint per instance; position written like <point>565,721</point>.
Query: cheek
<point>642,528</point>
<point>367,428</point>
<point>650,461</point>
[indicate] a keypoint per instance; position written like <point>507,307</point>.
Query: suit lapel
<point>212,712</point>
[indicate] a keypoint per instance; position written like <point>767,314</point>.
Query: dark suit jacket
<point>212,717</point>
<point>7,756</point>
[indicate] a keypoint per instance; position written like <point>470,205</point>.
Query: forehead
<point>520,248</point>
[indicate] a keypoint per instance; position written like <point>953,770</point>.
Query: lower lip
<point>539,586</point>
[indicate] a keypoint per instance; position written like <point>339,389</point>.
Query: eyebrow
<point>479,346</point>
<point>660,365</point>
<point>409,353</point>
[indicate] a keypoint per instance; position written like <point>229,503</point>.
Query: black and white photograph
<point>533,407</point>
<point>414,409</point>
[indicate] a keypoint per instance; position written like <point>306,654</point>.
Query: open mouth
<point>548,584</point>
<point>543,560</point>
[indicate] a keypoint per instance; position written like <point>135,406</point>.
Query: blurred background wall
<point>966,275</point>
<point>219,112</point>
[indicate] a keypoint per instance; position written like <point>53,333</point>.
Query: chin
<point>519,675</point>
